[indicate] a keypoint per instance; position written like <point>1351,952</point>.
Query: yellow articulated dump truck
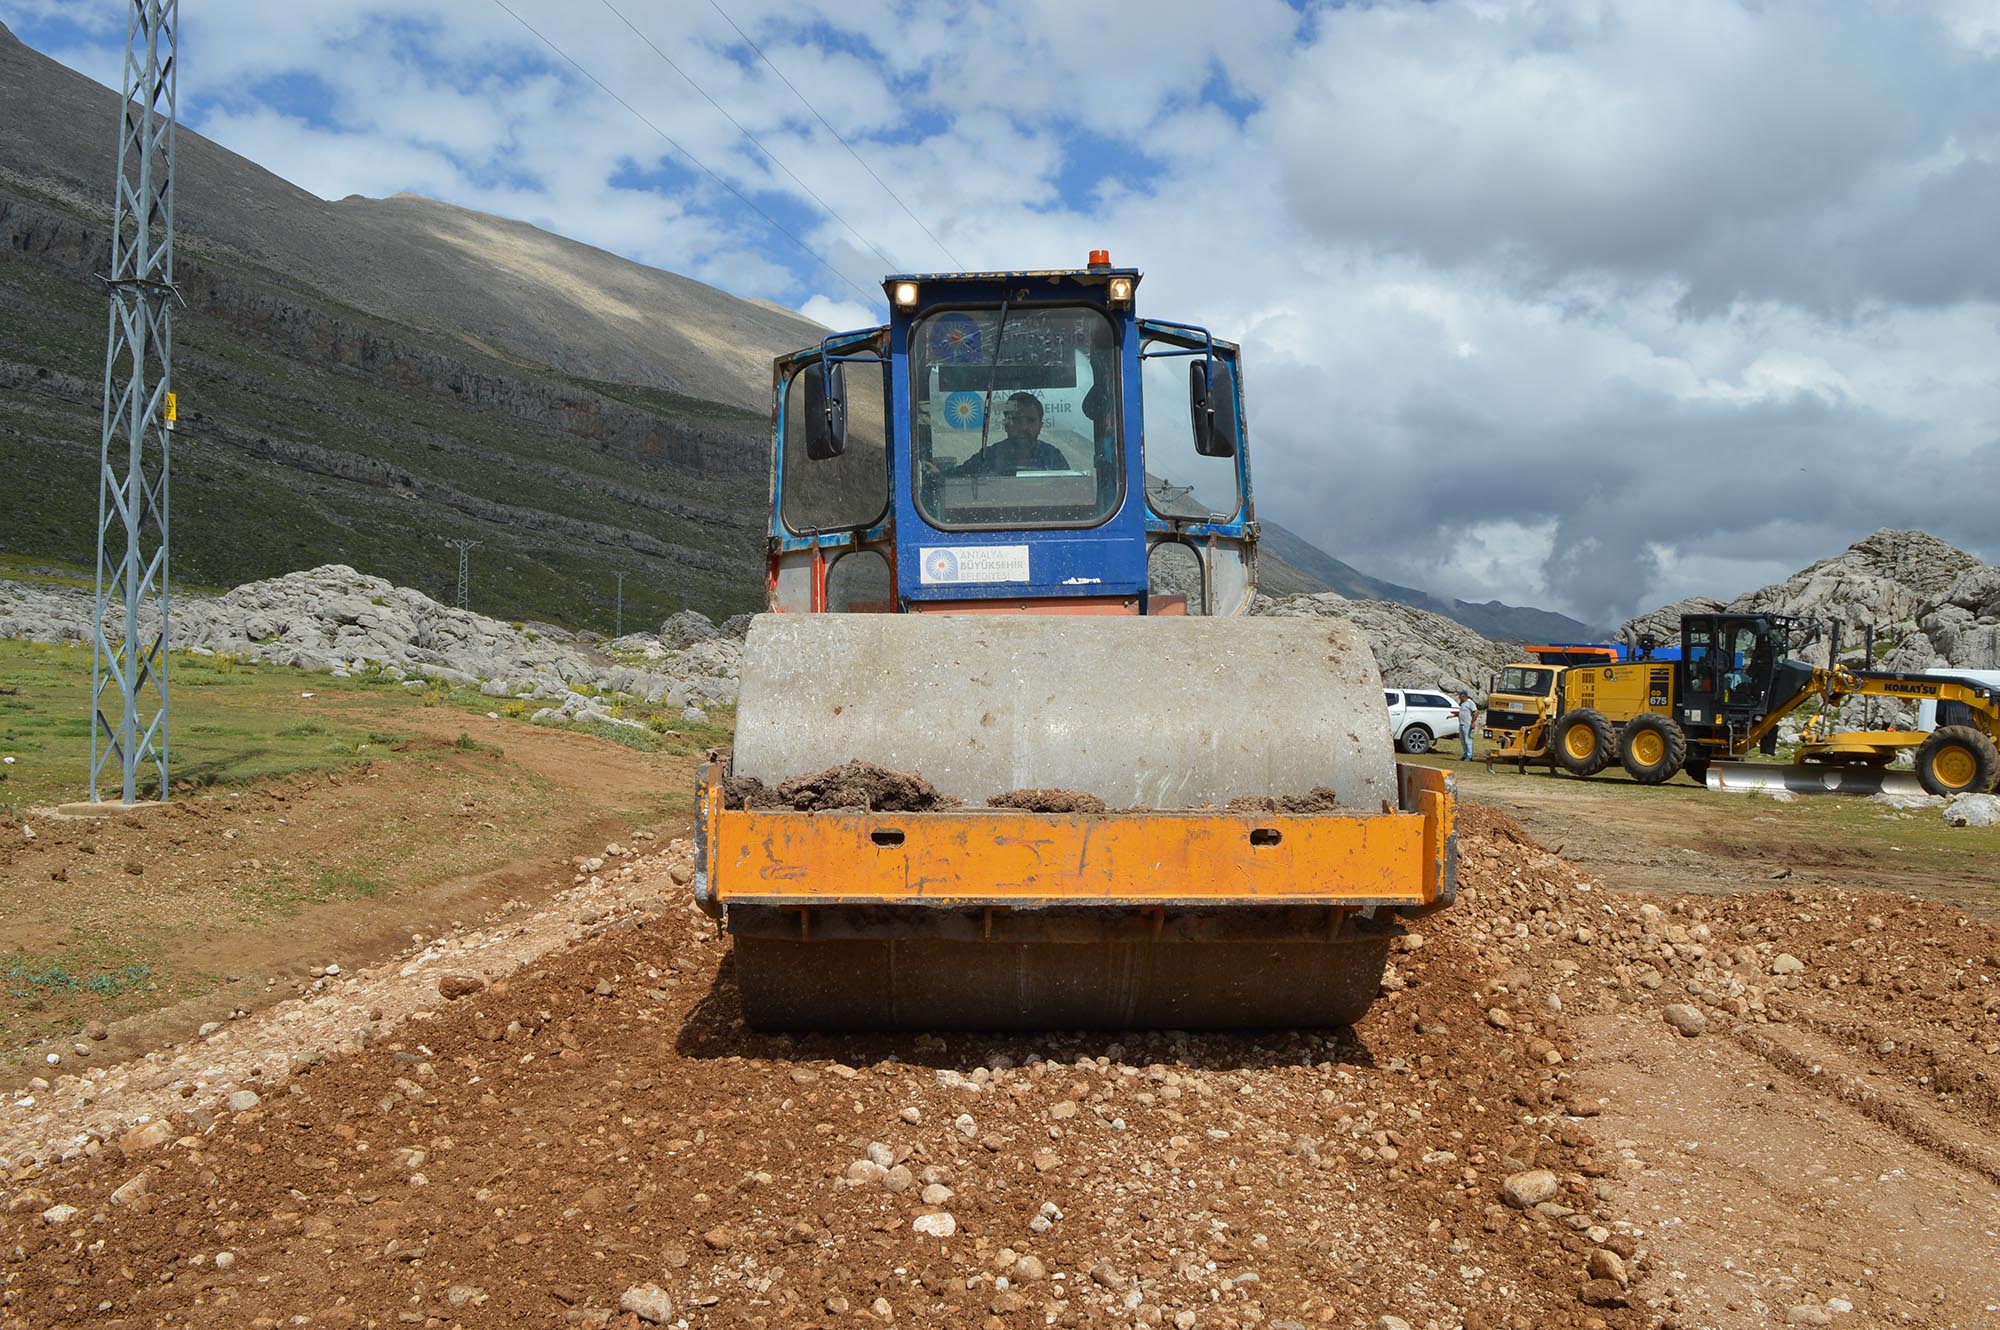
<point>1722,698</point>
<point>1009,754</point>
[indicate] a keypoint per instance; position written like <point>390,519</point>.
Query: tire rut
<point>1956,1141</point>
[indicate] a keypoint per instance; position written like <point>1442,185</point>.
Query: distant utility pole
<point>465,549</point>
<point>129,676</point>
<point>618,612</point>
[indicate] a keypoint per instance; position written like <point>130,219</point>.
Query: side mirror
<point>826,410</point>
<point>1492,684</point>
<point>1212,404</point>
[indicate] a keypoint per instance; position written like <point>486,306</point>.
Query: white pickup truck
<point>1418,719</point>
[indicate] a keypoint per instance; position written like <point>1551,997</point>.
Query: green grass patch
<point>337,882</point>
<point>46,995</point>
<point>26,979</point>
<point>235,723</point>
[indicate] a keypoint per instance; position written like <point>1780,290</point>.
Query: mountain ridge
<point>1491,619</point>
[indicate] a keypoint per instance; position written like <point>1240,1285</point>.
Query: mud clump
<point>1048,801</point>
<point>1318,799</point>
<point>748,792</point>
<point>849,786</point>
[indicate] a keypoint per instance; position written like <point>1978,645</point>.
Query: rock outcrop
<point>340,621</point>
<point>1664,624</point>
<point>1930,603</point>
<point>1930,606</point>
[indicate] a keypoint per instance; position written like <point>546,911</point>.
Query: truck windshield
<point>1015,419</point>
<point>1530,683</point>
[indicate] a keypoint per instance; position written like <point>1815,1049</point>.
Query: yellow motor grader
<point>1708,711</point>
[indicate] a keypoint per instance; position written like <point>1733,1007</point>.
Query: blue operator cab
<point>1012,442</point>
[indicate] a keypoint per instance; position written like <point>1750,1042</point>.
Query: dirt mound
<point>1319,799</point>
<point>748,792</point>
<point>1486,822</point>
<point>849,786</point>
<point>1048,801</point>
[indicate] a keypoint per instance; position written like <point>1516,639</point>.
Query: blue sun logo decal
<point>954,338</point>
<point>943,566</point>
<point>963,411</point>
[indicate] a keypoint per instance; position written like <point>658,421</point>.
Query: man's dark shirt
<point>993,462</point>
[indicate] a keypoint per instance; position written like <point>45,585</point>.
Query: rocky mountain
<point>358,379</point>
<point>1514,623</point>
<point>486,284</point>
<point>1930,603</point>
<point>336,619</point>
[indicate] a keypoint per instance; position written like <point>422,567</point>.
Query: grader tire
<point>1957,759</point>
<point>1581,744</point>
<point>1652,749</point>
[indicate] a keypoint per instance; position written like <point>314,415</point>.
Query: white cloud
<point>838,315</point>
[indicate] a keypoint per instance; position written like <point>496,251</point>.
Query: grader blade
<point>1811,778</point>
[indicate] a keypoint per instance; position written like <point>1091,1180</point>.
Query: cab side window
<point>1181,483</point>
<point>841,493</point>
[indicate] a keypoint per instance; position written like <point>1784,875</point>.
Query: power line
<point>870,297</point>
<point>956,263</point>
<point>754,142</point>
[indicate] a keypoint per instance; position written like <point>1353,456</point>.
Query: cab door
<point>1700,673</point>
<point>831,545</point>
<point>1200,523</point>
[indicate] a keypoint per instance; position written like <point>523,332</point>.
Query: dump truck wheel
<point>1957,759</point>
<point>1582,742</point>
<point>1652,749</point>
<point>1417,739</point>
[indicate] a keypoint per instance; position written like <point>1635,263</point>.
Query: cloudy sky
<point>1585,305</point>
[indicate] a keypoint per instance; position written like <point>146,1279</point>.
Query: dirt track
<point>1828,1148</point>
<point>224,906</point>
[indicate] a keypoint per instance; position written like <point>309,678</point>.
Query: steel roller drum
<point>1159,712</point>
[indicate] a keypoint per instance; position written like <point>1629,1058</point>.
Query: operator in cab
<point>1021,450</point>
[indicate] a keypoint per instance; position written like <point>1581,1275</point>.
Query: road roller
<point>1012,553</point>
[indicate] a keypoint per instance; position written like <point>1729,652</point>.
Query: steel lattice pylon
<point>464,548</point>
<point>129,672</point>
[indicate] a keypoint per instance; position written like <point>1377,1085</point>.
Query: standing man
<point>1467,712</point>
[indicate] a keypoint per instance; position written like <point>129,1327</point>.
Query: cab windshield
<point>1530,683</point>
<point>1015,422</point>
